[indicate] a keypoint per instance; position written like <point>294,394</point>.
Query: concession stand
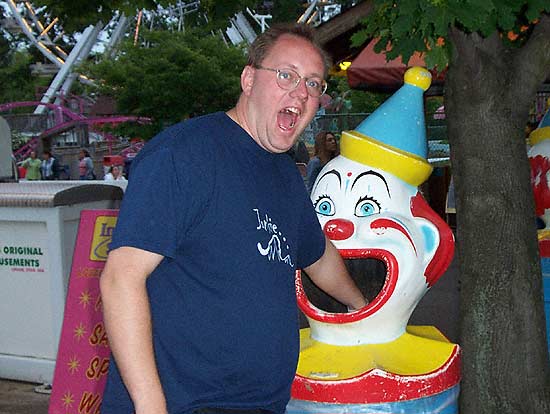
<point>38,228</point>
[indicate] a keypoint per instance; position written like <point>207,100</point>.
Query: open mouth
<point>375,273</point>
<point>368,274</point>
<point>288,117</point>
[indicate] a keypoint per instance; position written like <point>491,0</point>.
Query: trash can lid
<point>53,194</point>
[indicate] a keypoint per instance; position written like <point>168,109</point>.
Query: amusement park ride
<point>46,34</point>
<point>46,37</point>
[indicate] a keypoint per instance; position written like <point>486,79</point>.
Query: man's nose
<point>339,229</point>
<point>300,90</point>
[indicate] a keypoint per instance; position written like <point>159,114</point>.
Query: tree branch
<point>344,21</point>
<point>534,57</point>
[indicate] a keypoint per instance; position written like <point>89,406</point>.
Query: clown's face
<point>369,213</point>
<point>347,190</point>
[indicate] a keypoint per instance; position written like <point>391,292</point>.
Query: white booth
<point>38,227</point>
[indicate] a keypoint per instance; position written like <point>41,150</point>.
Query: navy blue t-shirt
<point>233,222</point>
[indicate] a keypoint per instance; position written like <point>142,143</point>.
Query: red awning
<point>370,71</point>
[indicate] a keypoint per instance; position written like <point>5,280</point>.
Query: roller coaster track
<point>65,119</point>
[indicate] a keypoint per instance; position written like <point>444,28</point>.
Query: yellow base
<point>543,234</point>
<point>421,350</point>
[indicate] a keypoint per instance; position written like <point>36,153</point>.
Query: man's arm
<point>128,323</point>
<point>330,274</point>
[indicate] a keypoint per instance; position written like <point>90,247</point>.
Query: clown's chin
<point>369,275</point>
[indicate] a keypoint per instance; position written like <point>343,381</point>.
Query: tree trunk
<point>505,366</point>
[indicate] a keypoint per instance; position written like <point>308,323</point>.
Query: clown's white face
<point>348,190</point>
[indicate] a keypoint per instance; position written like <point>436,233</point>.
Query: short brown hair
<point>265,41</point>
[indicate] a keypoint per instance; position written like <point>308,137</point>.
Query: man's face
<point>276,117</point>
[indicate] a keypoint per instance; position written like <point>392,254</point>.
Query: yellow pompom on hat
<point>393,138</point>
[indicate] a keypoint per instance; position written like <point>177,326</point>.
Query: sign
<point>28,291</point>
<point>83,356</point>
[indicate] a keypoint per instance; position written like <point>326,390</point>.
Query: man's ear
<point>247,79</point>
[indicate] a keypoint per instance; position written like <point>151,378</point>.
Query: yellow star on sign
<point>85,298</point>
<point>79,331</point>
<point>68,399</point>
<point>73,364</point>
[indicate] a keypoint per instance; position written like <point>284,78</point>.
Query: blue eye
<point>367,206</point>
<point>284,75</point>
<point>324,206</point>
<point>313,83</point>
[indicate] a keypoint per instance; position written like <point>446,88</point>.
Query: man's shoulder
<point>180,136</point>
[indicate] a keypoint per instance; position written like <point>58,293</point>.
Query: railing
<point>436,130</point>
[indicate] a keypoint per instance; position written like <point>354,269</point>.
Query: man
<point>198,289</point>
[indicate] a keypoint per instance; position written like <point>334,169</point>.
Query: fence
<point>436,131</point>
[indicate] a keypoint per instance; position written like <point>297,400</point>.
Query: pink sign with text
<point>83,355</point>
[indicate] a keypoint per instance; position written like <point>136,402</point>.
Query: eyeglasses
<point>289,80</point>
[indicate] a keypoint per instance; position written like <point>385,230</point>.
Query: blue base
<point>445,402</point>
<point>546,287</point>
<point>545,264</point>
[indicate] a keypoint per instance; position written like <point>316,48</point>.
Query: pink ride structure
<point>64,119</point>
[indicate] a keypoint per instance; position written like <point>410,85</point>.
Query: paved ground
<point>439,308</point>
<point>20,398</point>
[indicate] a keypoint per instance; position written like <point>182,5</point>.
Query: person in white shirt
<point>114,174</point>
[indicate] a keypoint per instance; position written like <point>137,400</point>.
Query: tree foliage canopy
<point>76,14</point>
<point>175,76</point>
<point>420,25</point>
<point>15,77</point>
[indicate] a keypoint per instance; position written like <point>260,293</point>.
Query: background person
<point>49,167</point>
<point>85,165</point>
<point>32,165</point>
<point>326,148</point>
<point>114,174</point>
<point>198,289</point>
<point>298,152</point>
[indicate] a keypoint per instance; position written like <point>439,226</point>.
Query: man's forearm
<point>329,273</point>
<point>128,323</point>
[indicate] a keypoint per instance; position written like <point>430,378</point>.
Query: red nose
<point>339,229</point>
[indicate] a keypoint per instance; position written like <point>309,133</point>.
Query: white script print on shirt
<point>274,248</point>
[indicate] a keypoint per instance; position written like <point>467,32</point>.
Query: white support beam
<point>48,53</point>
<point>82,55</point>
<point>66,69</point>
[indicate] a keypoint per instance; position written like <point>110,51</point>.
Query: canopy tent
<point>370,71</point>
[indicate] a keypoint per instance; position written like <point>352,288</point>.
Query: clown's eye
<point>325,206</point>
<point>367,206</point>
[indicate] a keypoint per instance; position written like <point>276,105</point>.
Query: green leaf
<point>439,18</point>
<point>506,18</point>
<point>467,15</point>
<point>535,8</point>
<point>359,38</point>
<point>437,57</point>
<point>402,24</point>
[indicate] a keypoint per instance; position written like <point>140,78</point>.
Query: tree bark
<point>489,90</point>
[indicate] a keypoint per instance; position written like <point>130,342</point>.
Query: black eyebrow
<point>331,172</point>
<point>370,172</point>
